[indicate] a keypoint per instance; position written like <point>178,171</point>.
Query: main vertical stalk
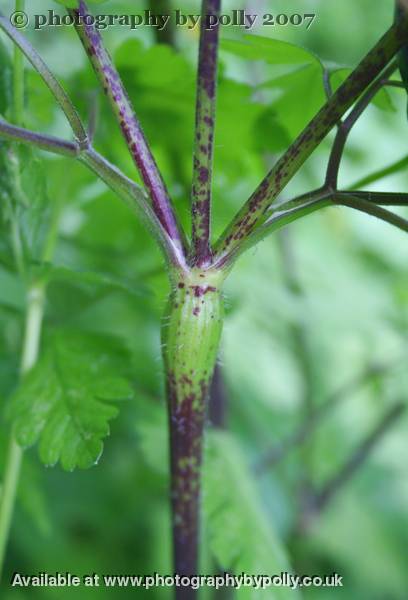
<point>191,334</point>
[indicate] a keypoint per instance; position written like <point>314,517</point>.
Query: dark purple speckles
<point>199,290</point>
<point>203,174</point>
<point>130,126</point>
<point>209,121</point>
<point>204,135</point>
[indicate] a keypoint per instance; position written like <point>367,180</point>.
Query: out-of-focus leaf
<point>34,215</point>
<point>381,100</point>
<point>65,402</point>
<point>270,134</point>
<point>60,273</point>
<point>274,52</point>
<point>5,79</point>
<point>241,537</point>
<point>305,83</point>
<point>24,198</point>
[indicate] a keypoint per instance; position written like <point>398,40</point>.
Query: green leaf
<point>274,52</point>
<point>24,198</point>
<point>305,83</point>
<point>34,204</point>
<point>51,272</point>
<point>381,100</point>
<point>65,402</point>
<point>241,536</point>
<point>269,133</point>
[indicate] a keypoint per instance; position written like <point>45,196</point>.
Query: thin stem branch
<point>130,126</point>
<point>381,198</point>
<point>32,333</point>
<point>346,126</point>
<point>279,452</point>
<point>43,142</point>
<point>396,84</point>
<point>204,135</point>
<point>253,213</point>
<point>395,167</point>
<point>328,90</point>
<point>132,194</point>
<point>8,494</point>
<point>365,206</point>
<point>165,35</point>
<point>18,77</point>
<point>135,197</point>
<point>285,213</point>
<point>93,116</point>
<point>18,119</point>
<point>56,89</point>
<point>357,459</point>
<point>282,215</point>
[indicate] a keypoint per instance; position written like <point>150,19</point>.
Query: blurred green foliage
<point>285,349</point>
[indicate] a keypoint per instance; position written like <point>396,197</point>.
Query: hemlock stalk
<point>191,334</point>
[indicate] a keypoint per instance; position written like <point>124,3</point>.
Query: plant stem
<point>130,126</point>
<point>18,77</point>
<point>381,198</point>
<point>253,213</point>
<point>48,143</point>
<point>136,198</point>
<point>18,116</point>
<point>282,216</point>
<point>359,456</point>
<point>204,135</point>
<point>131,193</point>
<point>372,209</point>
<point>8,494</point>
<point>56,89</point>
<point>32,329</point>
<point>30,351</point>
<point>307,427</point>
<point>166,35</point>
<point>34,315</point>
<point>397,166</point>
<point>191,334</point>
<point>345,127</point>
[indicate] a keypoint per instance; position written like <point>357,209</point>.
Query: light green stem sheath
<point>191,335</point>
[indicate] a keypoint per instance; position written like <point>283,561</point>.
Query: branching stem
<point>345,127</point>
<point>39,65</point>
<point>130,126</point>
<point>359,456</point>
<point>369,208</point>
<point>254,213</point>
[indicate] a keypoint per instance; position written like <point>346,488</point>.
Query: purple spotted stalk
<point>193,320</point>
<point>131,129</point>
<point>204,137</point>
